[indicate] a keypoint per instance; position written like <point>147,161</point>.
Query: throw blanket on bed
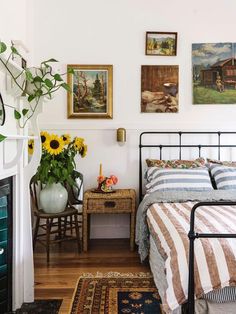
<point>215,259</point>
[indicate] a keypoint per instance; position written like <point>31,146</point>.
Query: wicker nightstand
<point>120,202</point>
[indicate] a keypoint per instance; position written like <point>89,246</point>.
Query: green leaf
<point>49,60</point>
<point>48,83</point>
<point>24,111</point>
<point>38,93</point>
<point>3,47</point>
<point>66,86</point>
<point>2,137</point>
<point>1,112</point>
<point>29,75</point>
<point>37,79</point>
<point>17,115</point>
<point>70,71</point>
<point>31,97</point>
<point>58,77</point>
<point>14,50</point>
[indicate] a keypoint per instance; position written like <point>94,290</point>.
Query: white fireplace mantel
<point>14,162</point>
<point>22,171</point>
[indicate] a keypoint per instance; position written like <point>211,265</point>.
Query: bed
<point>193,217</point>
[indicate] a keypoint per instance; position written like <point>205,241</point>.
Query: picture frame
<point>161,44</point>
<point>214,73</point>
<point>92,91</point>
<point>159,89</point>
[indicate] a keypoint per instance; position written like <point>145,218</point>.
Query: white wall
<point>113,32</point>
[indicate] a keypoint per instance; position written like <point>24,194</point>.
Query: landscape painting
<point>159,88</point>
<point>91,87</point>
<point>161,44</point>
<point>214,73</point>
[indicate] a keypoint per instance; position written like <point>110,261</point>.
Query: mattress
<point>211,302</point>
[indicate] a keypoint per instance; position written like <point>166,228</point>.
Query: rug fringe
<point>111,274</point>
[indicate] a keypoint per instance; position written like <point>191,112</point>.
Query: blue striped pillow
<point>224,177</point>
<point>197,179</point>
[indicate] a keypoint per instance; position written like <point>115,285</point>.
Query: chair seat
<point>67,212</point>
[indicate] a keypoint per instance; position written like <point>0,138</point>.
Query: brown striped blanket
<point>215,259</point>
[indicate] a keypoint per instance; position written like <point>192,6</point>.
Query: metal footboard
<point>194,235</point>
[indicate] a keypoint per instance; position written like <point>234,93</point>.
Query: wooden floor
<point>58,280</point>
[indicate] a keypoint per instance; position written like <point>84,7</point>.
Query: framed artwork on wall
<point>92,91</point>
<point>214,73</point>
<point>159,88</point>
<point>161,44</point>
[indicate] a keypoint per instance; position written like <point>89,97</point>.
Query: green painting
<point>214,73</point>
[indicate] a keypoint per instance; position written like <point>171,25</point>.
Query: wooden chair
<point>75,195</point>
<point>53,224</point>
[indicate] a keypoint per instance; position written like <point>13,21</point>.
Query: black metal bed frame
<point>192,235</point>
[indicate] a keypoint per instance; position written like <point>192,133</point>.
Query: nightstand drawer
<point>103,205</point>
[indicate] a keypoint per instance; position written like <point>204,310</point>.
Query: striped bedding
<point>197,179</point>
<point>215,259</point>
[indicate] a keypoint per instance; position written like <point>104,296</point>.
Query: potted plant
<point>34,83</point>
<point>57,168</point>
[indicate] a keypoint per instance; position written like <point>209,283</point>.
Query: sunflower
<point>79,143</point>
<point>30,147</point>
<point>66,138</point>
<point>83,151</point>
<point>54,145</point>
<point>44,137</point>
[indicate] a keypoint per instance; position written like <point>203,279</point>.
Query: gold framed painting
<point>91,96</point>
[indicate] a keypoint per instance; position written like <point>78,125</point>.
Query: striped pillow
<point>224,177</point>
<point>197,179</point>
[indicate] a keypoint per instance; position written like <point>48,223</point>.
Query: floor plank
<point>58,280</point>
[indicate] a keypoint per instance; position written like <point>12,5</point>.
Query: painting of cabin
<point>214,73</point>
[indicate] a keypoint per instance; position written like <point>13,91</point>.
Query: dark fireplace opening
<point>6,223</point>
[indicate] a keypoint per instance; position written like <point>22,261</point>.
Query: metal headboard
<point>178,146</point>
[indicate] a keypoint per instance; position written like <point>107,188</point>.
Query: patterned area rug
<point>116,293</point>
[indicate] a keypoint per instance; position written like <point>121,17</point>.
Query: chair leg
<point>48,229</point>
<point>77,232</point>
<point>65,227</point>
<point>71,224</point>
<point>59,231</point>
<point>36,232</point>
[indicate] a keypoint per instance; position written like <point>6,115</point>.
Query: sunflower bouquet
<point>58,158</point>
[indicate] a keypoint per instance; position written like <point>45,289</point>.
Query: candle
<point>100,170</point>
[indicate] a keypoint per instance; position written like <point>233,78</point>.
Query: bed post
<point>140,168</point>
<point>192,237</point>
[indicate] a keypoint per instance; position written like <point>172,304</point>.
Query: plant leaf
<point>24,111</point>
<point>58,77</point>
<point>17,114</point>
<point>66,86</point>
<point>70,71</point>
<point>48,83</point>
<point>31,97</point>
<point>2,137</point>
<point>29,75</point>
<point>38,79</point>
<point>14,50</point>
<point>3,47</point>
<point>49,60</point>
